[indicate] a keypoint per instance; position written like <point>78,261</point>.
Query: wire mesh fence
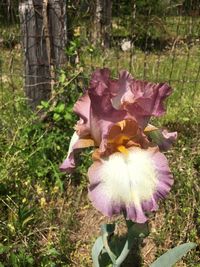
<point>154,40</point>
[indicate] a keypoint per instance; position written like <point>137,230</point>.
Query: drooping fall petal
<point>131,183</point>
<point>163,138</point>
<point>75,143</point>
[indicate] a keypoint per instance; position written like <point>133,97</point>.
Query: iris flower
<point>129,173</point>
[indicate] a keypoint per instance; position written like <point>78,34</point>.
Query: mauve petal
<point>109,101</point>
<point>69,164</point>
<point>82,109</point>
<point>103,114</point>
<point>132,184</point>
<point>100,75</point>
<point>135,214</point>
<point>76,142</point>
<point>141,99</point>
<point>115,86</point>
<point>169,139</point>
<point>121,89</point>
<point>162,138</point>
<point>148,100</point>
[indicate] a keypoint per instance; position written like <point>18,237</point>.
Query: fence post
<point>96,18</point>
<point>106,23</point>
<point>44,37</point>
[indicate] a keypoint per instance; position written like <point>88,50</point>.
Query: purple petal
<point>132,184</point>
<point>163,138</point>
<point>148,100</point>
<point>121,89</point>
<point>82,109</point>
<point>140,99</point>
<point>68,164</point>
<point>103,114</point>
<point>76,143</point>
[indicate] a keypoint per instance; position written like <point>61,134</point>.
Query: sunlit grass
<point>45,214</point>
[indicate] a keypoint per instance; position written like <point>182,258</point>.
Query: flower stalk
<point>129,174</point>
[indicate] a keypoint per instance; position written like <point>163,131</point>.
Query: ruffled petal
<point>103,114</point>
<point>148,100</point>
<point>139,99</point>
<point>121,89</point>
<point>82,109</point>
<point>76,142</point>
<point>162,138</point>
<point>109,101</point>
<point>130,183</point>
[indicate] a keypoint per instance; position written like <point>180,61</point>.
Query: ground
<point>47,219</point>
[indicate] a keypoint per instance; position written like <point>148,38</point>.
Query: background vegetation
<point>45,214</point>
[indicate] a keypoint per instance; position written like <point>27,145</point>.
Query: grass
<point>45,214</point>
<point>183,26</point>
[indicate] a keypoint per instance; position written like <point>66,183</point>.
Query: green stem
<point>123,254</point>
<point>106,231</point>
<point>134,233</point>
<point>107,248</point>
<point>128,245</point>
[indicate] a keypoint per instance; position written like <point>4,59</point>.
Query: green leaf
<point>106,231</point>
<point>3,249</point>
<point>173,255</point>
<point>53,252</point>
<point>68,116</point>
<point>56,117</point>
<point>13,259</point>
<point>62,77</point>
<point>96,250</point>
<point>27,220</point>
<point>59,108</point>
<point>135,232</point>
<point>45,104</point>
<point>186,119</point>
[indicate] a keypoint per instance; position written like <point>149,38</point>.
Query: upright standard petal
<point>121,89</point>
<point>102,114</point>
<point>140,99</point>
<point>131,183</point>
<point>148,100</point>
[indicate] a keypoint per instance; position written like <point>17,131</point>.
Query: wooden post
<point>101,16</point>
<point>43,24</point>
<point>106,23</point>
<point>96,20</point>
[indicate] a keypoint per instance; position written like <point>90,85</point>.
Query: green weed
<point>44,213</point>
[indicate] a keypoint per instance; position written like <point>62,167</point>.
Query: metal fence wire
<point>157,41</point>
